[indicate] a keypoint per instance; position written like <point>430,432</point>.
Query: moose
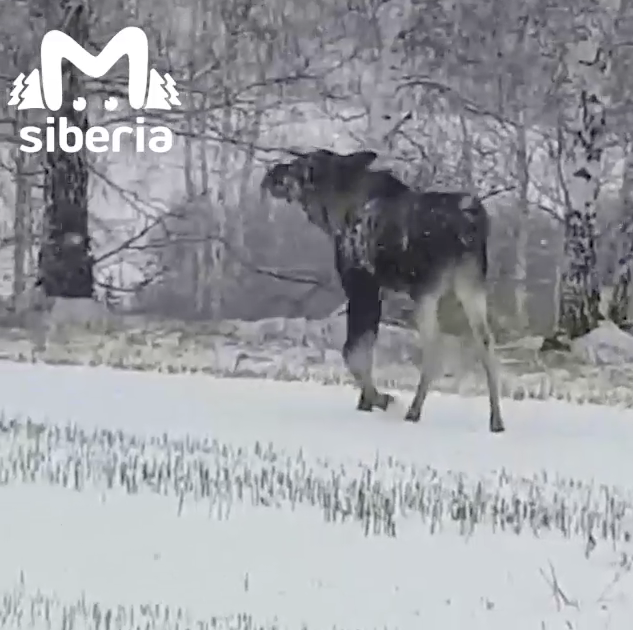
<point>389,236</point>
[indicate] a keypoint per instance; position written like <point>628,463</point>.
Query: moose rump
<point>388,236</point>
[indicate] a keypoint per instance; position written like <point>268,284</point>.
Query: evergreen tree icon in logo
<point>41,89</point>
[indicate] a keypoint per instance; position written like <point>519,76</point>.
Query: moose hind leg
<point>363,322</point>
<point>471,292</point>
<point>426,321</point>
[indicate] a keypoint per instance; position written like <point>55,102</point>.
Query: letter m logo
<point>57,46</point>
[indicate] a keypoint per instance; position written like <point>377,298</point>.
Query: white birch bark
<point>587,66</point>
<point>520,227</point>
<point>620,299</point>
<point>467,175</point>
<point>378,87</point>
<point>524,38</point>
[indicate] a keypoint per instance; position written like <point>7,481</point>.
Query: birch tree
<point>621,285</point>
<point>619,303</point>
<point>586,68</point>
<point>382,102</point>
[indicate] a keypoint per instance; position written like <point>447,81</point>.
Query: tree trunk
<point>587,67</point>
<point>202,248</point>
<point>520,232</point>
<point>520,228</point>
<point>219,201</point>
<point>377,89</point>
<point>220,192</point>
<point>187,171</point>
<point>618,309</point>
<point>21,217</point>
<point>466,166</point>
<point>65,260</point>
<point>191,189</point>
<point>246,175</point>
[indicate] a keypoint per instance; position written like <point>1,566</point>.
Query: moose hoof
<point>383,401</point>
<point>496,423</point>
<point>365,403</point>
<point>412,416</point>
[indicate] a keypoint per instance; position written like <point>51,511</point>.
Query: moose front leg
<point>363,321</point>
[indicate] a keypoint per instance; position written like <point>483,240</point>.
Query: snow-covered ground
<point>130,497</point>
<point>599,370</point>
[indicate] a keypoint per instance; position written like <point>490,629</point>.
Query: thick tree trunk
<point>587,66</point>
<point>377,89</point>
<point>65,261</point>
<point>618,309</point>
<point>580,288</point>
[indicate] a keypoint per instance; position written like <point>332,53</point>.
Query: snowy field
<point>137,500</point>
<point>598,370</point>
